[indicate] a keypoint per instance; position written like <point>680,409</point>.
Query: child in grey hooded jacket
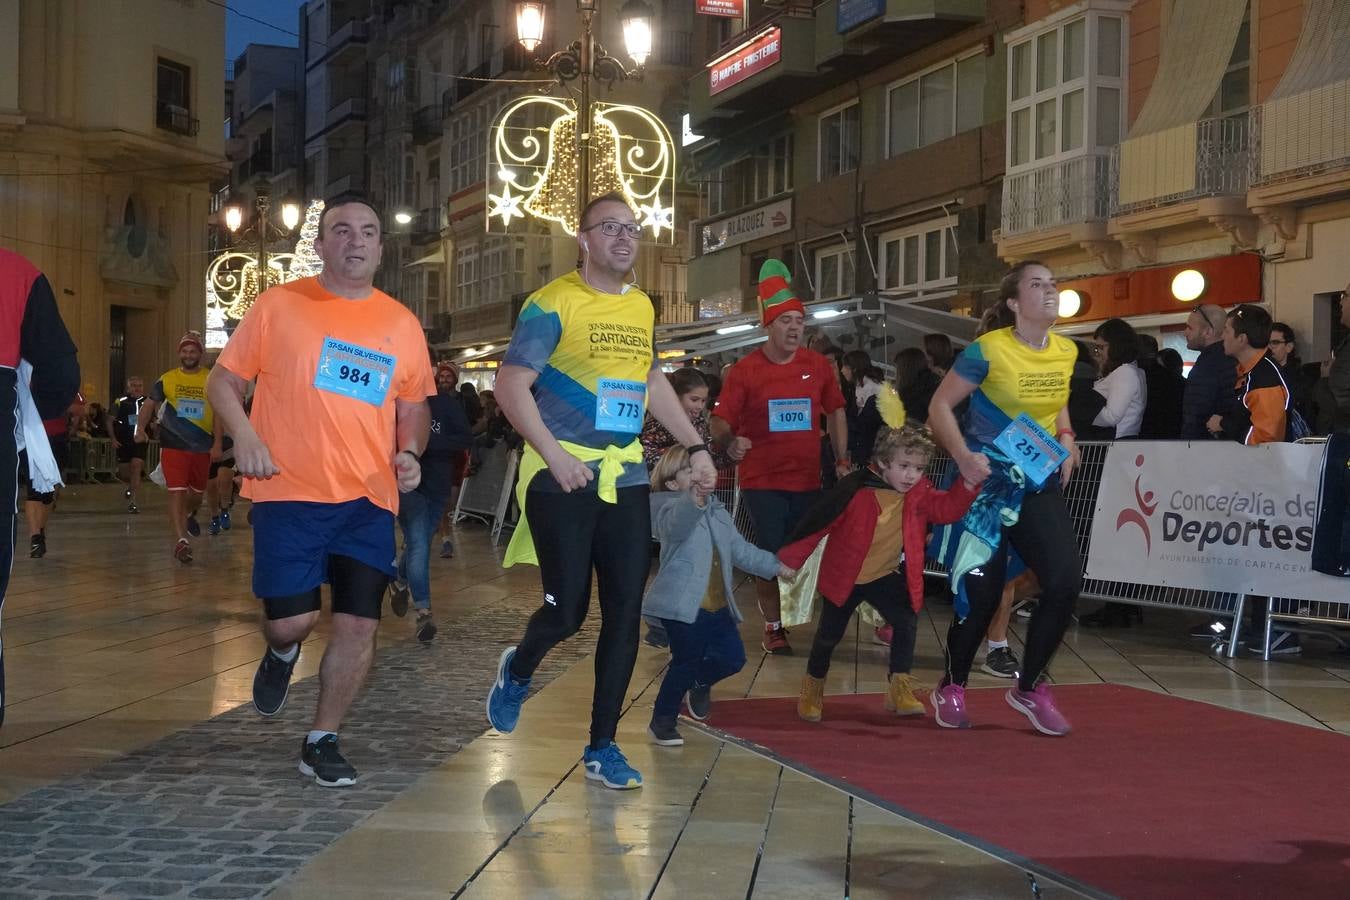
<point>692,592</point>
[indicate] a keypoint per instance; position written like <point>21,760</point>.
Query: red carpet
<point>1150,796</point>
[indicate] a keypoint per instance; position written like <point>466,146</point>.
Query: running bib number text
<point>1032,448</point>
<point>354,371</point>
<point>619,405</point>
<point>192,410</point>
<point>790,415</point>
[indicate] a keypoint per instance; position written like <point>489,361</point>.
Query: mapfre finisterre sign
<point>749,59</point>
<point>763,221</point>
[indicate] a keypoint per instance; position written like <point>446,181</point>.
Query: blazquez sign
<point>747,226</point>
<point>1219,517</point>
<point>746,60</point>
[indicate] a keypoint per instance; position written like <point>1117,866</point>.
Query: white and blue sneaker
<point>609,767</point>
<point>507,696</point>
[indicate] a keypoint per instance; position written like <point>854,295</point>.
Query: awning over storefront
<point>1196,48</point>
<point>698,164</point>
<point>435,258</point>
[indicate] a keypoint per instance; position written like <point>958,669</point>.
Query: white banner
<point>1214,516</point>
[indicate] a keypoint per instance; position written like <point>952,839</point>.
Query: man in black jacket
<point>30,329</point>
<point>1209,387</point>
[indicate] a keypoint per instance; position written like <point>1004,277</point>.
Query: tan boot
<point>811,703</point>
<point>900,697</point>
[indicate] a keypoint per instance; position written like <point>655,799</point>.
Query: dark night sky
<point>240,32</point>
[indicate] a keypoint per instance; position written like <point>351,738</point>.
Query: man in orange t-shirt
<point>338,422</point>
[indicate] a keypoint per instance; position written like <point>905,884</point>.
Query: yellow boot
<point>900,697</point>
<point>811,703</point>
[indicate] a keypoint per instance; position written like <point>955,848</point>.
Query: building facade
<point>862,144</point>
<point>334,36</point>
<point>105,181</point>
<point>265,138</point>
<point>1207,135</point>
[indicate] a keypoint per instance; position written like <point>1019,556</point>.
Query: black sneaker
<point>698,702</point>
<point>398,598</point>
<point>272,682</point>
<point>131,508</point>
<point>656,637</point>
<point>1027,607</point>
<point>323,762</point>
<point>37,546</point>
<point>664,732</point>
<point>426,627</point>
<point>193,527</point>
<point>1000,662</point>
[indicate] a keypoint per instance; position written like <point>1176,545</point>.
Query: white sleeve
<point>1119,389</point>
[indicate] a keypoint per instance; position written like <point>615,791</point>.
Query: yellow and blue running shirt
<point>1013,378</point>
<point>593,352</point>
<point>187,422</point>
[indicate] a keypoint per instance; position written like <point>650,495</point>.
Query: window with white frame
<point>467,137</point>
<point>920,257</point>
<point>773,167</point>
<point>394,84</point>
<point>840,140</point>
<point>936,104</point>
<point>467,291</point>
<point>834,272</point>
<point>1066,89</point>
<point>1233,98</point>
<point>500,266</point>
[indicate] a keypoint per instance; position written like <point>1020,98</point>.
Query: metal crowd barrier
<point>93,460</point>
<point>1081,496</point>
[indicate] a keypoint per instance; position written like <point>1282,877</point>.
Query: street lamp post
<point>585,59</point>
<point>263,230</point>
<point>236,277</point>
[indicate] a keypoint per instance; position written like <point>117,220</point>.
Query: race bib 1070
<point>1032,448</point>
<point>354,371</point>
<point>790,415</point>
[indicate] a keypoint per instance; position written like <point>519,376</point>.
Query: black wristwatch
<point>696,448</point>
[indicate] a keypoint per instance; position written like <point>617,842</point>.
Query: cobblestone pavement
<point>219,810</point>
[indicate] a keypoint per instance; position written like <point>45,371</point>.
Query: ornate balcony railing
<point>1061,193</point>
<point>1209,158</point>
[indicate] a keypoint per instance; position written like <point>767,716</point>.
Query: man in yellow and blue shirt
<point>577,379</point>
<point>187,435</point>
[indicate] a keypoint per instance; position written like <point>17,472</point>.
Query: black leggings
<point>574,533</point>
<point>889,596</point>
<point>1044,538</point>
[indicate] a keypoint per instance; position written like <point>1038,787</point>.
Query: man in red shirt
<point>766,419</point>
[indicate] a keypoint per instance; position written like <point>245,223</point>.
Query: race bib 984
<point>354,371</point>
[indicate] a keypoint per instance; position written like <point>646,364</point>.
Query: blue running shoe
<point>505,698</point>
<point>193,528</point>
<point>609,767</point>
<point>224,520</point>
<point>214,527</point>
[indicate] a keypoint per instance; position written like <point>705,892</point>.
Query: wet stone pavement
<point>219,810</point>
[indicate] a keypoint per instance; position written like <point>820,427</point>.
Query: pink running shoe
<point>883,635</point>
<point>949,706</point>
<point>1039,707</point>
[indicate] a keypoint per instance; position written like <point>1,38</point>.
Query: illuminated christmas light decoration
<point>535,150</point>
<point>506,204</point>
<point>234,279</point>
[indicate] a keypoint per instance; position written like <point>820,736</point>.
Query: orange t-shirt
<point>329,370</point>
